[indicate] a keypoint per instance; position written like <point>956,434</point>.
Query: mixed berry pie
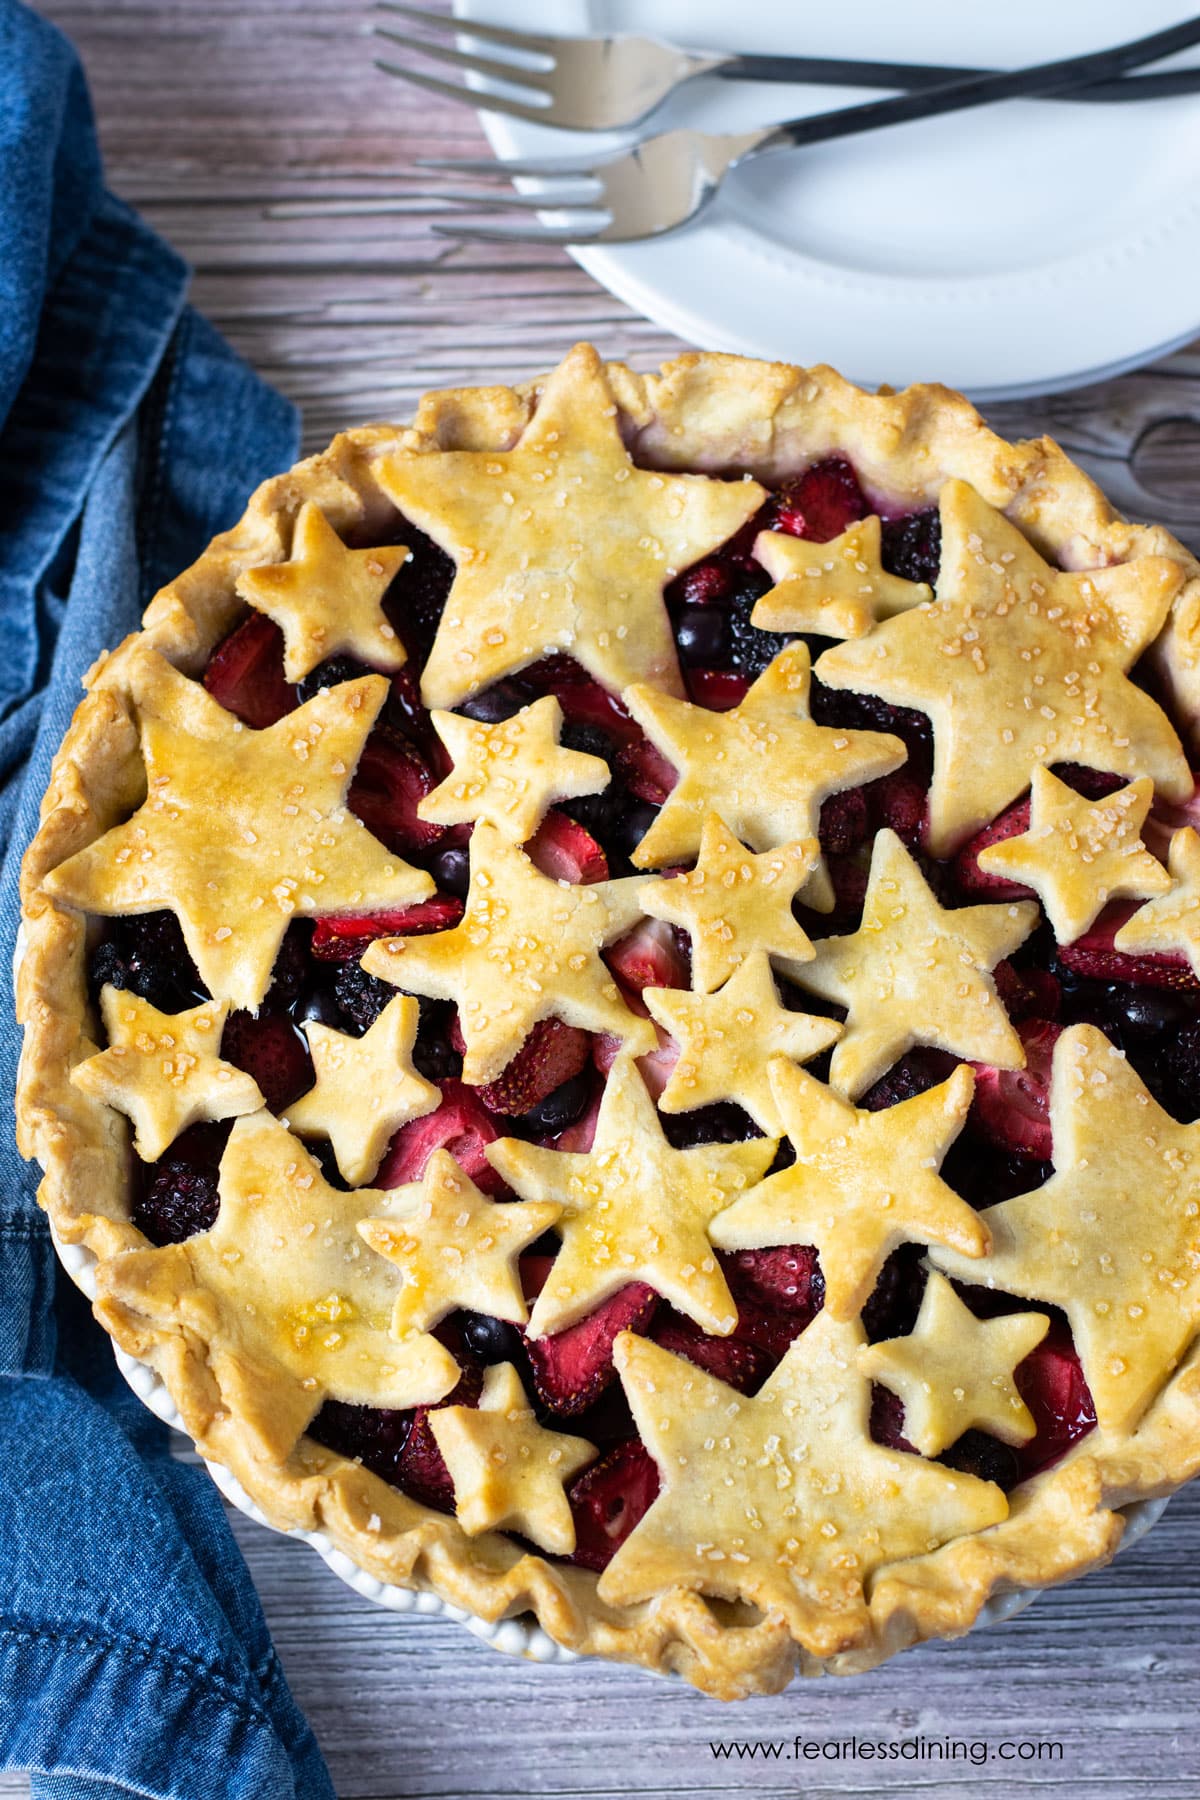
<point>613,981</point>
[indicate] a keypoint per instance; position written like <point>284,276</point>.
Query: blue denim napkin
<point>134,1657</point>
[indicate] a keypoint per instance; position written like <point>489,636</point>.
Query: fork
<point>663,182</point>
<point>608,83</point>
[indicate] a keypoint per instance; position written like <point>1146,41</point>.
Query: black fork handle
<point>983,89</point>
<point>914,78</point>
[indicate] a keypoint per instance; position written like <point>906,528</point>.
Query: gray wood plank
<point>210,115</point>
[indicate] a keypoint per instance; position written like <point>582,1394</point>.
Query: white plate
<point>1008,251</point>
<point>521,1636</point>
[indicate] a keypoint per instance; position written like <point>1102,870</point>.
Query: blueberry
<point>703,636</point>
<point>331,673</point>
<point>451,869</point>
<point>417,596</point>
<point>434,1056</point>
<point>498,702</point>
<point>976,1453</point>
<point>895,1300</point>
<point>631,826</point>
<point>560,1108</point>
<point>490,1340</point>
<point>372,1435</point>
<point>317,1005</point>
<point>1144,1011</point>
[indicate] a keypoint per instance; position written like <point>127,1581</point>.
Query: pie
<point>613,982</point>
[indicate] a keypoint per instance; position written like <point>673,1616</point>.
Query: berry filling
<point>550,1091</point>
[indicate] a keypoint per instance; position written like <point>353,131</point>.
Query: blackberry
<point>723,1123</point>
<point>911,546</point>
<point>433,1055</point>
<point>865,712</point>
<point>750,649</point>
<point>331,673</point>
<point>1180,1063</point>
<point>291,967</point>
<point>178,1199</point>
<point>371,1435</point>
<point>147,955</point>
<point>896,1298</point>
<point>417,596</point>
<point>977,1453</point>
<point>597,813</point>
<point>915,1073</point>
<point>361,997</point>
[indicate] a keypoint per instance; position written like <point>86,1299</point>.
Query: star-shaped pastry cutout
<point>304,1308</point>
<point>328,599</point>
<point>764,766</point>
<point>164,1070</point>
<point>1017,663</point>
<point>726,1040</point>
<point>839,589</point>
<point>634,1209</point>
<point>782,1499</point>
<point>1114,1236</point>
<point>1173,921</point>
<point>509,1473</point>
<point>454,1247</point>
<point>526,947</point>
<point>241,830</point>
<point>954,1372</point>
<point>561,543</point>
<point>862,1184</point>
<point>1079,854</point>
<point>509,774</point>
<point>366,1088</point>
<point>734,902</point>
<point>917,973</point>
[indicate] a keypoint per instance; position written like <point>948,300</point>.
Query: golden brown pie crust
<point>701,413</point>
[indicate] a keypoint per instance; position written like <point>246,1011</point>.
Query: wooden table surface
<point>209,114</point>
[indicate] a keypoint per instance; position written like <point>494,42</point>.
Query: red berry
<point>1051,1382</point>
<point>971,878</point>
<point>562,849</point>
<point>843,824</point>
<point>718,689</point>
<point>420,1468</point>
<point>899,803</point>
<point>1094,956</point>
<point>1011,1107</point>
<point>551,1054</point>
<point>343,938</point>
<point>650,956</point>
<point>572,1368</point>
<point>822,503</point>
<point>271,1049</point>
<point>887,1419</point>
<point>646,771</point>
<point>460,1126</point>
<point>609,1499</point>
<point>733,1360</point>
<point>702,585</point>
<point>245,673</point>
<point>392,777</point>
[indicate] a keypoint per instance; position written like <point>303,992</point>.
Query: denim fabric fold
<point>134,1656</point>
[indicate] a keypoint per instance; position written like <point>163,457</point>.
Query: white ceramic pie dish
<point>514,1637</point>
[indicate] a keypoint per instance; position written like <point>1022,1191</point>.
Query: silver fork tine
<point>482,99</point>
<point>500,170</point>
<point>488,34</point>
<point>480,65</point>
<point>520,234</point>
<point>554,201</point>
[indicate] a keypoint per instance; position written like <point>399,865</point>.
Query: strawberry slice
<point>655,1065</point>
<point>341,939</point>
<point>718,689</point>
<point>898,802</point>
<point>649,956</point>
<point>392,777</point>
<point>271,1049</point>
<point>562,849</point>
<point>1052,1384</point>
<point>739,1364</point>
<point>971,878</point>
<point>1011,1107</point>
<point>572,1368</point>
<point>551,1054</point>
<point>822,503</point>
<point>420,1468</point>
<point>245,674</point>
<point>583,701</point>
<point>460,1126</point>
<point>609,1499</point>
<point>1094,955</point>
<point>646,771</point>
<point>887,1419</point>
<point>1166,818</point>
<point>778,1292</point>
